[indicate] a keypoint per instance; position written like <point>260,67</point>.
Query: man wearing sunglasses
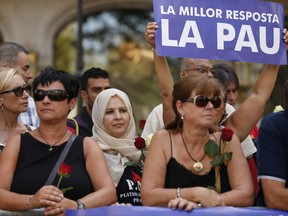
<point>16,56</point>
<point>93,81</point>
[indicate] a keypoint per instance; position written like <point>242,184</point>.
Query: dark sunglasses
<point>18,91</point>
<point>53,95</point>
<point>202,101</point>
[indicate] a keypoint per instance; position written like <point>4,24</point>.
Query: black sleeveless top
<point>179,176</point>
<point>35,162</point>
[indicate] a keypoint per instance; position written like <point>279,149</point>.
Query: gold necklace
<point>51,146</point>
<point>198,166</point>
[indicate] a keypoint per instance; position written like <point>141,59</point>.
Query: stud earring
<point>182,117</point>
<point>2,107</point>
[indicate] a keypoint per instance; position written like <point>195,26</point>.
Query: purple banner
<point>153,211</point>
<point>236,30</point>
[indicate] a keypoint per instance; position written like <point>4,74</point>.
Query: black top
<point>179,176</point>
<point>128,188</point>
<point>84,121</point>
<point>35,162</point>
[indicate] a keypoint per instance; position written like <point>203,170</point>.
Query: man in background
<point>272,158</point>
<point>93,81</point>
<point>14,55</point>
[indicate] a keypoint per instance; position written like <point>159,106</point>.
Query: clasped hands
<point>207,198</point>
<point>52,199</point>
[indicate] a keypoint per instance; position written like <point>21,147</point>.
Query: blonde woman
<point>14,95</point>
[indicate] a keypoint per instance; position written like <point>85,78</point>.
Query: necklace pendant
<point>51,148</point>
<point>198,166</point>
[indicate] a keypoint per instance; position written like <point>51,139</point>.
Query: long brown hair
<point>185,86</point>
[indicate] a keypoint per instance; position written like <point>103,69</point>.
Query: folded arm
<point>275,193</point>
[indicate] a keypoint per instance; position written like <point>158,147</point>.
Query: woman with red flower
<point>27,160</point>
<point>187,166</point>
<point>115,131</point>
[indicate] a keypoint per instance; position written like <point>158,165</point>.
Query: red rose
<point>142,124</point>
<point>139,143</point>
<point>64,170</point>
<point>226,134</point>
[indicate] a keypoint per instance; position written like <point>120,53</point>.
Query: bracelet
<point>178,193</point>
<point>80,204</point>
<point>28,204</point>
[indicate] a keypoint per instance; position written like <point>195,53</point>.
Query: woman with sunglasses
<point>178,170</point>
<point>14,95</point>
<point>28,160</point>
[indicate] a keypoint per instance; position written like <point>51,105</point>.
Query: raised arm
<point>164,78</point>
<point>253,107</point>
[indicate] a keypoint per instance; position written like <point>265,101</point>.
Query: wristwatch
<point>80,205</point>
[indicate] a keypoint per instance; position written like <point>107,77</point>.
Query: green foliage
<point>227,156</point>
<point>211,148</point>
<point>65,52</point>
<point>114,40</point>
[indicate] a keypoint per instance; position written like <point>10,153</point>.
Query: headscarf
<point>117,151</point>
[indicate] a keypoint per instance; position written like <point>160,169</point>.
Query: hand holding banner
<point>221,29</point>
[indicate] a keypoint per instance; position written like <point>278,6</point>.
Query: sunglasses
<point>53,95</point>
<point>202,101</point>
<point>18,91</point>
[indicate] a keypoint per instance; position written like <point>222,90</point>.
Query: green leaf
<point>142,157</point>
<point>211,148</point>
<point>227,156</point>
<point>66,189</point>
<point>217,161</point>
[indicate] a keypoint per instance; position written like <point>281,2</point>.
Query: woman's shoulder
<point>162,132</point>
<point>13,142</point>
<point>163,135</point>
<point>89,143</point>
<point>162,139</point>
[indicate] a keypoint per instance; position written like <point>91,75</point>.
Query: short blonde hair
<point>6,75</point>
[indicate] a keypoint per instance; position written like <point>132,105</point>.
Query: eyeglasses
<point>53,95</point>
<point>202,69</point>
<point>18,91</point>
<point>202,101</point>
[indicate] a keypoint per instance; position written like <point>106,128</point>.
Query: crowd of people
<point>201,153</point>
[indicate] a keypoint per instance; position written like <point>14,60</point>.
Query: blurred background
<point>74,35</point>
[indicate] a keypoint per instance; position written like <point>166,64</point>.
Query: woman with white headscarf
<point>115,131</point>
